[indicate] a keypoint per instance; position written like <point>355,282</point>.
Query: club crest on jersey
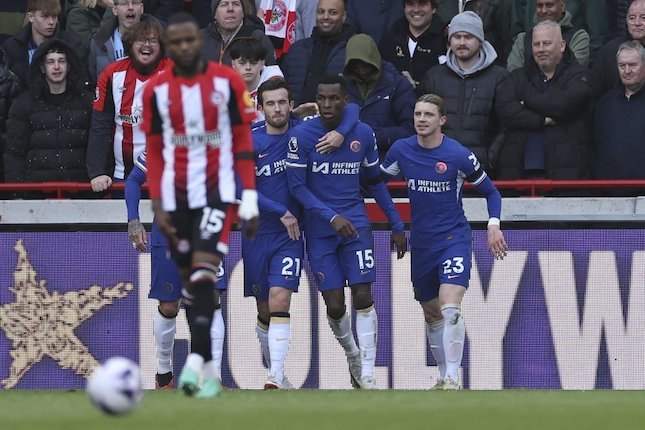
<point>293,144</point>
<point>217,98</point>
<point>278,16</point>
<point>355,145</point>
<point>440,167</point>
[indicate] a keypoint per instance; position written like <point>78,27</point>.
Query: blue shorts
<point>271,260</point>
<point>433,267</point>
<point>339,261</point>
<point>166,280</point>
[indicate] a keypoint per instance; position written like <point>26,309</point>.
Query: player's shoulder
<point>455,146</point>
<point>307,130</point>
<point>404,143</point>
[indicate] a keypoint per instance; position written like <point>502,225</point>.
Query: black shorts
<point>205,230</point>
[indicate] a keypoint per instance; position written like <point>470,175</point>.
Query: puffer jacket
<point>472,101</point>
<point>47,134</point>
<point>567,144</point>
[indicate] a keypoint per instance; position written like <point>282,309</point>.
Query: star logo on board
<point>39,323</point>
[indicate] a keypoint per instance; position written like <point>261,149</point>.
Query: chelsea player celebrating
<point>435,167</point>
<point>339,237</point>
<point>273,260</point>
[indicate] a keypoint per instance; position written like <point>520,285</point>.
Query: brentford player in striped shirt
<point>197,118</point>
<point>116,138</point>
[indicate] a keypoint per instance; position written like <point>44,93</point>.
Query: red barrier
<point>525,187</point>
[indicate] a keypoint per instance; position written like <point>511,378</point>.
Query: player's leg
<point>357,260</point>
<point>166,288</point>
<point>164,328</point>
<point>454,331</point>
<point>255,257</point>
<point>218,330</point>
<point>425,280</point>
<point>262,328</point>
<point>454,278</point>
<point>434,333</point>
<point>366,331</point>
<point>325,263</point>
<point>284,267</point>
<point>279,336</point>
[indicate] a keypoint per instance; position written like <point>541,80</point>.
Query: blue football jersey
<point>274,198</point>
<point>435,179</point>
<point>328,184</point>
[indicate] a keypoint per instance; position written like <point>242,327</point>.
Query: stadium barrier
<point>564,310</point>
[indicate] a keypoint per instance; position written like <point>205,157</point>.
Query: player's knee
<point>335,310</point>
<point>362,296</point>
<point>279,300</point>
<point>169,309</point>
<point>451,313</point>
<point>203,275</point>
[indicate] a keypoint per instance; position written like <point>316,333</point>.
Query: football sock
<point>279,337</point>
<point>262,330</point>
<point>194,361</point>
<point>217,341</point>
<point>366,331</point>
<point>164,331</point>
<point>201,308</point>
<point>434,332</point>
<point>211,370</point>
<point>342,329</point>
<point>454,334</point>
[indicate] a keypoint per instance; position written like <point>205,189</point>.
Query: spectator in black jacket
<point>470,85</point>
<point>321,54</point>
<point>620,120</point>
<point>417,41</point>
<point>9,90</point>
<point>605,74</point>
<point>49,124</point>
<point>543,111</point>
<point>232,21</point>
<point>42,26</point>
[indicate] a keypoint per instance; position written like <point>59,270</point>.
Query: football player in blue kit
<point>337,228</point>
<point>166,282</point>
<point>273,259</point>
<point>435,167</point>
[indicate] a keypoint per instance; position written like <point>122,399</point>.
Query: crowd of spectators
<point>535,88</point>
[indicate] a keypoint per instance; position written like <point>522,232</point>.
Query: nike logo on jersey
<point>452,276</point>
<point>262,155</point>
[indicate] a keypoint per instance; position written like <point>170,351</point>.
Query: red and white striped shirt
<point>120,89</point>
<point>198,137</point>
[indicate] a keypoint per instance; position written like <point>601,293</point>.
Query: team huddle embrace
<point>289,179</point>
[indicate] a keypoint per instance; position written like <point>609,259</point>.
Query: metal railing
<point>524,187</point>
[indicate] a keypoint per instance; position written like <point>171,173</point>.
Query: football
<point>115,386</point>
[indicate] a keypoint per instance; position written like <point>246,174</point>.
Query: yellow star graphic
<point>40,323</point>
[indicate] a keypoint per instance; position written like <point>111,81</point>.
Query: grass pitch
<point>338,410</point>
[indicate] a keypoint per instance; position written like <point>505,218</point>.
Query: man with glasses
<point>116,139</point>
<point>107,45</point>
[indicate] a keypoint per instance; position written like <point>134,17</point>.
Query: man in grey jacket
<point>469,84</point>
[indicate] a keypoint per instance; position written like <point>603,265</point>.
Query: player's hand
<point>162,218</point>
<point>101,183</point>
<point>250,227</point>
<point>291,224</point>
<point>399,242</point>
<point>329,142</point>
<point>305,109</point>
<point>343,227</point>
<point>248,208</point>
<point>496,242</point>
<point>137,235</point>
